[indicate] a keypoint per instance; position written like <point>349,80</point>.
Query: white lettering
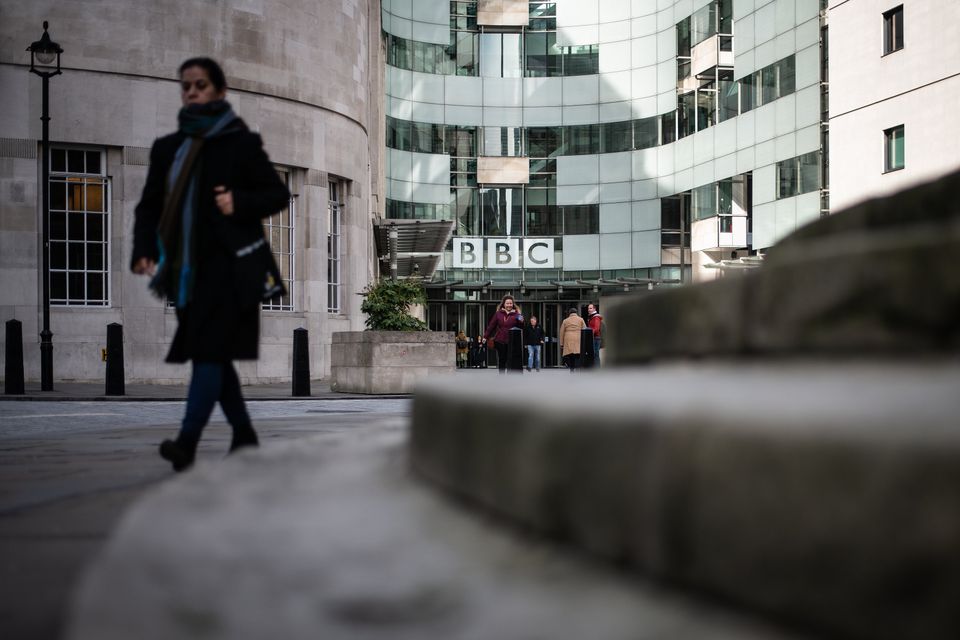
<point>465,252</point>
<point>503,253</point>
<point>538,253</point>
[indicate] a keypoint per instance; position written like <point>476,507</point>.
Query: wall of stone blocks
<point>299,74</point>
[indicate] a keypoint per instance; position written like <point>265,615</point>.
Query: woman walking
<point>506,317</point>
<point>198,233</point>
<point>570,338</point>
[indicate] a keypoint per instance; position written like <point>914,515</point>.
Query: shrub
<point>387,304</point>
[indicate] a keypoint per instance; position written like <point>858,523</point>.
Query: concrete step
<point>332,538</point>
<point>824,493</point>
<point>879,278</point>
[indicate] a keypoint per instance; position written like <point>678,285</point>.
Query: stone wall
<point>304,74</point>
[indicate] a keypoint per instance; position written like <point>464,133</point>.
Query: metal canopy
<point>417,248</point>
<point>423,265</point>
<point>413,236</point>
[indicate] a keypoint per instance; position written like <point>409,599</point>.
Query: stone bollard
<point>115,377</point>
<point>515,350</point>
<point>13,359</point>
<point>301,363</point>
<point>586,348</point>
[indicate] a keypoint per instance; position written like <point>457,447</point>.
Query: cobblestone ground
<point>68,470</point>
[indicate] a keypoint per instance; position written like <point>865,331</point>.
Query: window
<point>502,141</point>
<point>500,55</point>
<point>581,219</point>
<point>279,231</point>
<point>335,209</point>
<point>704,201</point>
<point>893,149</point>
<point>798,175</point>
<point>616,136</point>
<point>893,30</point>
<point>542,55</point>
<point>502,209</point>
<point>544,142</point>
<point>79,228</point>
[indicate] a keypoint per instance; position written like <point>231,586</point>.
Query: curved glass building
<point>584,148</point>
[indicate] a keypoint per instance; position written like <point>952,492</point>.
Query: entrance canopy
<point>416,246</point>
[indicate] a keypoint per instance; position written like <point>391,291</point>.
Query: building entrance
<point>473,317</point>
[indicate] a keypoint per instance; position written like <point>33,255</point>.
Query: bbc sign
<point>503,253</point>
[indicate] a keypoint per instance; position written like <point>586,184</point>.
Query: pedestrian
<point>481,361</point>
<point>198,233</point>
<point>595,322</point>
<point>570,338</point>
<point>533,338</point>
<point>463,346</point>
<point>505,318</point>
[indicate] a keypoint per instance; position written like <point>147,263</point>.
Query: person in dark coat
<point>533,339</point>
<point>506,317</point>
<point>208,187</point>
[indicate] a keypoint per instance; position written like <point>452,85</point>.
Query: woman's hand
<point>224,200</point>
<point>145,266</point>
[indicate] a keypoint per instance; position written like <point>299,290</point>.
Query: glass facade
<point>599,207</point>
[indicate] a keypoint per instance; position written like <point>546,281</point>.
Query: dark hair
<point>214,72</point>
<point>572,310</point>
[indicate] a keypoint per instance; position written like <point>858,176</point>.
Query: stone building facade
<point>305,74</point>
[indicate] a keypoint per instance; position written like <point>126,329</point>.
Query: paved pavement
<point>69,470</point>
<point>319,389</point>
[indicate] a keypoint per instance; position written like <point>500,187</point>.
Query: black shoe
<point>179,456</point>
<point>244,437</point>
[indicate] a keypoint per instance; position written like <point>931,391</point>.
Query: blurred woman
<point>506,317</point>
<point>570,339</point>
<point>198,230</point>
<point>463,346</point>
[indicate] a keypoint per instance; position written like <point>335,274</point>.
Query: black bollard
<point>515,350</point>
<point>13,359</point>
<point>115,382</point>
<point>301,363</point>
<point>586,348</point>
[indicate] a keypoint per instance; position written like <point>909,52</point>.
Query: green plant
<point>387,303</point>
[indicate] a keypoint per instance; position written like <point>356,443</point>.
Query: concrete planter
<point>388,361</point>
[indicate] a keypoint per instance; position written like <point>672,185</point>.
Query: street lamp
<point>43,52</point>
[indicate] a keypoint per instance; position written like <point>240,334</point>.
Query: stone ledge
<point>879,278</point>
<point>331,538</point>
<point>418,337</point>
<point>831,497</point>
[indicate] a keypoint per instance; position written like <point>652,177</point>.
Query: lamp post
<point>43,52</point>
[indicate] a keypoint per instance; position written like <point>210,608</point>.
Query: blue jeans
<point>533,356</point>
<point>213,382</point>
<point>596,351</point>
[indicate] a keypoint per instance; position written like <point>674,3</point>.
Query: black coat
<point>214,327</point>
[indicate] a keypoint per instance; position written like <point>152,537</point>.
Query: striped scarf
<point>176,273</point>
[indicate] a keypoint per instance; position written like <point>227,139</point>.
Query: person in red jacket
<point>594,321</point>
<point>507,317</point>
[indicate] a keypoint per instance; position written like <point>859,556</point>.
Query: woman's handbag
<point>256,276</point>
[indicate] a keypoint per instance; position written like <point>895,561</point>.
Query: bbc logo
<point>503,253</point>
